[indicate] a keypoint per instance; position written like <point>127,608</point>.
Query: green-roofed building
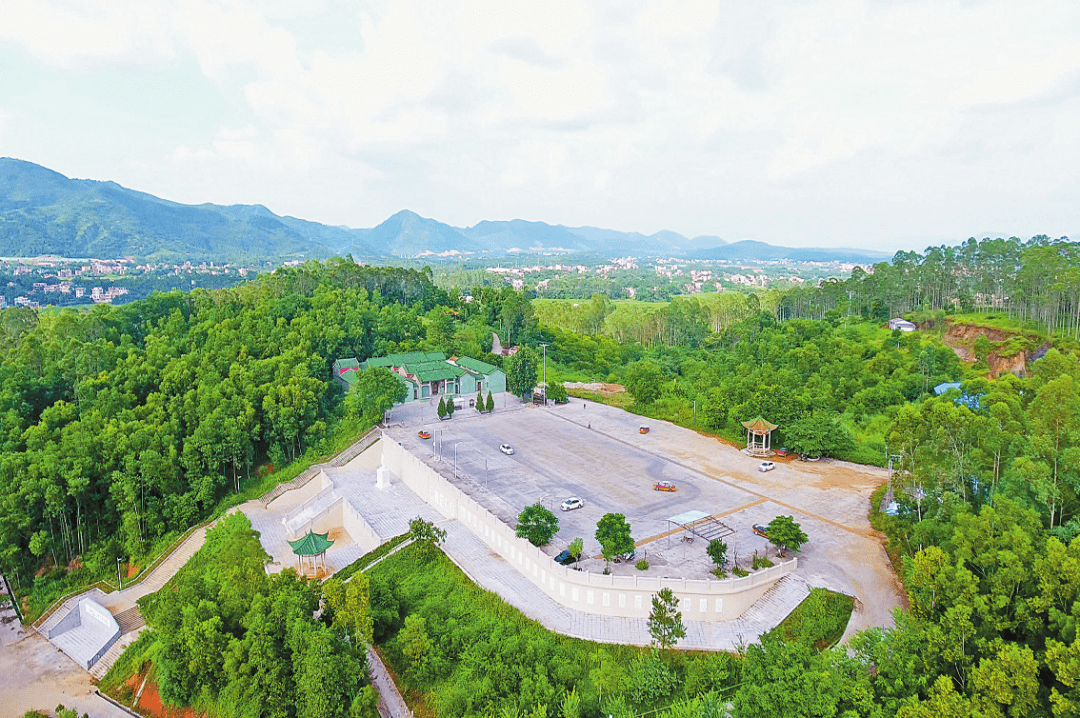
<point>312,546</point>
<point>490,377</point>
<point>342,367</point>
<point>430,374</point>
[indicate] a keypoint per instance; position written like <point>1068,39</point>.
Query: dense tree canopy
<point>121,427</point>
<point>233,638</point>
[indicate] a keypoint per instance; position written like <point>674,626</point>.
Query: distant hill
<point>407,234</point>
<point>517,234</point>
<point>749,250</point>
<point>44,212</point>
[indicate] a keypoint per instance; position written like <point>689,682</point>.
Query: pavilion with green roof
<point>311,546</point>
<point>759,437</point>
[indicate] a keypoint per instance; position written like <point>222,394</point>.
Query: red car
<point>762,531</point>
<point>664,486</point>
<point>424,434</point>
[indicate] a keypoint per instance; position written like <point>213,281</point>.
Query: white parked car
<point>766,466</point>
<point>572,503</point>
<point>506,448</point>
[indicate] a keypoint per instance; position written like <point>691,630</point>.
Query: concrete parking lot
<point>596,452</point>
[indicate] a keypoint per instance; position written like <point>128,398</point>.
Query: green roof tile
<point>311,545</point>
<point>477,365</point>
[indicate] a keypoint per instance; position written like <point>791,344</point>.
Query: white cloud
<point>702,117</point>
<point>80,35</point>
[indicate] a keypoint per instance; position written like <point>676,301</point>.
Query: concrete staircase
<point>358,447</point>
<point>778,602</point>
<point>103,664</point>
<point>168,568</point>
<point>129,620</point>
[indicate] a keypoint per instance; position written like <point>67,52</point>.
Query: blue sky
<point>874,124</point>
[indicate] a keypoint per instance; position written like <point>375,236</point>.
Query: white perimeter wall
<point>627,596</point>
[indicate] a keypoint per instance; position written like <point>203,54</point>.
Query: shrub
<point>490,403</point>
<point>651,681</point>
<point>719,572</point>
<point>576,548</point>
<point>740,572</point>
<point>557,393</point>
<point>761,562</point>
<point>641,565</point>
<point>712,671</point>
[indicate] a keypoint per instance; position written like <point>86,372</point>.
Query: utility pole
<point>545,372</point>
<point>119,581</point>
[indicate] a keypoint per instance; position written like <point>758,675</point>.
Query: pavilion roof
<point>312,544</point>
<point>759,426</point>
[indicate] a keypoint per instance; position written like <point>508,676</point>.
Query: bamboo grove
<point>1035,281</point>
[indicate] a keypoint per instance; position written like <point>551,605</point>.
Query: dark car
<point>565,558</point>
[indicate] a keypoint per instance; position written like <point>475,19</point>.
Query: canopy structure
<point>699,524</point>
<point>759,437</point>
<point>312,546</point>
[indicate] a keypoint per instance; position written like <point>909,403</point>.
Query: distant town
<point>63,281</point>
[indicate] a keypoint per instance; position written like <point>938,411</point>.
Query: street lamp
<point>545,372</point>
<point>455,458</point>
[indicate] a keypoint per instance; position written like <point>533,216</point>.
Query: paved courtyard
<point>595,452</point>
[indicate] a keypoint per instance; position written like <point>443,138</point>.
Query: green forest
<point>121,427</point>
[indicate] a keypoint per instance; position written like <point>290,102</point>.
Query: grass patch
<point>371,557</point>
<point>819,621</point>
<point>133,660</point>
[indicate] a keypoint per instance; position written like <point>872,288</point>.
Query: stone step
<point>168,568</point>
<point>130,620</point>
<point>779,601</point>
<point>103,664</point>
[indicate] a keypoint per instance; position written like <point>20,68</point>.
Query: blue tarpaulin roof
<point>971,402</point>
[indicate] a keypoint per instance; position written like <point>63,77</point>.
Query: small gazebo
<point>759,437</point>
<point>312,546</point>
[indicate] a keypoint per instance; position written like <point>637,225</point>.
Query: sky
<point>880,125</point>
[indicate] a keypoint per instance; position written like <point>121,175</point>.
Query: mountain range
<point>44,212</point>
